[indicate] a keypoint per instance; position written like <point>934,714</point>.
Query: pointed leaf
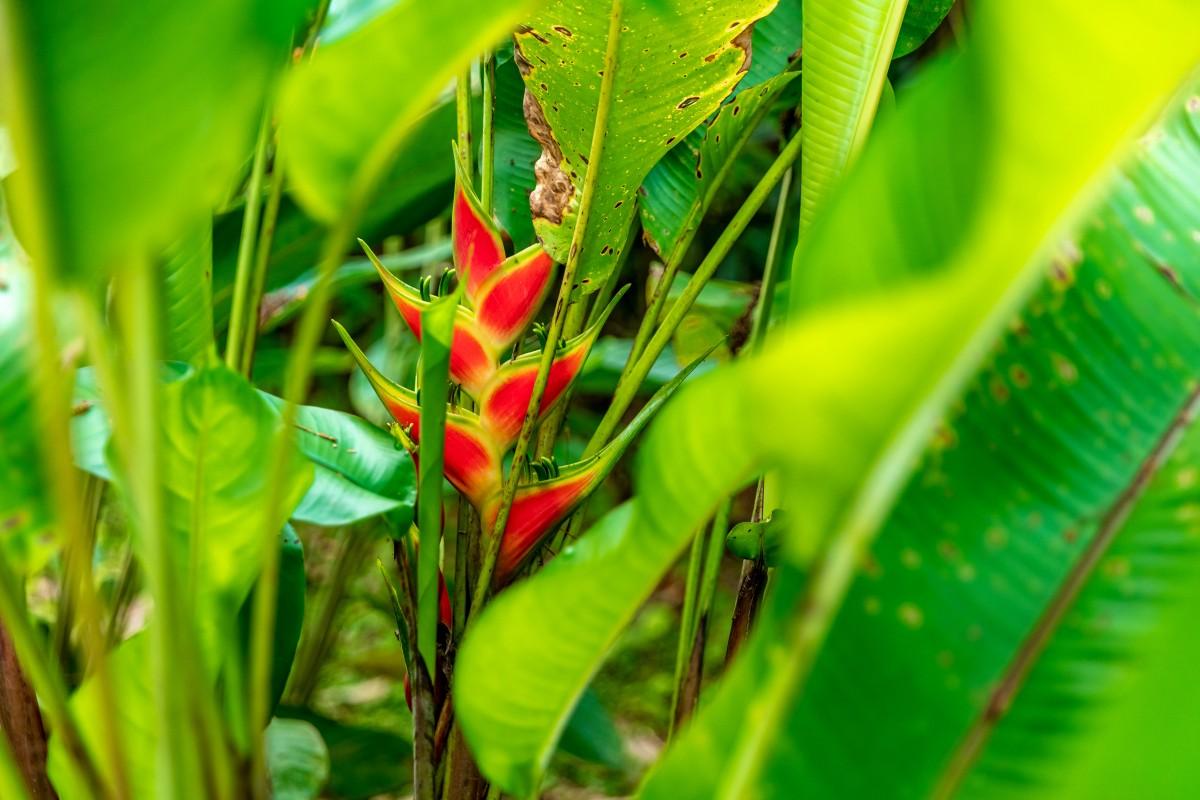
<point>472,358</point>
<point>680,188</point>
<point>478,249</point>
<point>511,296</point>
<point>847,48</point>
<point>472,464</point>
<point>665,87</point>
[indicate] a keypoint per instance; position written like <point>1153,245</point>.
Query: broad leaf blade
<point>680,188</point>
<point>878,367</point>
<point>341,115</point>
<point>663,88</point>
<point>130,119</point>
<point>847,49</point>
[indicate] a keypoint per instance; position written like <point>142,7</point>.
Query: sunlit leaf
<point>130,120</point>
<point>663,88</point>
<point>341,114</point>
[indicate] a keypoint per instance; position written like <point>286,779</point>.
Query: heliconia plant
<point>505,294</point>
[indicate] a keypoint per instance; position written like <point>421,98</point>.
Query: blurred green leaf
<point>921,19</point>
<point>341,116</point>
<point>216,426</point>
<point>23,513</point>
<point>131,119</point>
<point>863,374</point>
<point>366,762</point>
<point>187,292</point>
<point>289,614</point>
<point>591,735</point>
<point>297,759</point>
<point>664,87</point>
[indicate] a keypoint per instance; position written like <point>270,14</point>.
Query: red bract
<point>478,248</point>
<point>472,462</point>
<point>506,294</point>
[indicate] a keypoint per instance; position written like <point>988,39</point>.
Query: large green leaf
<point>215,429</point>
<point>130,119</point>
<point>1053,737</point>
<point>359,470</point>
<point>848,45</point>
<point>678,191</point>
<point>663,87</point>
<point>341,116</point>
<point>864,373</point>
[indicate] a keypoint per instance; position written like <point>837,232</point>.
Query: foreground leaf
<point>341,115</point>
<point>130,120</point>
<point>870,370</point>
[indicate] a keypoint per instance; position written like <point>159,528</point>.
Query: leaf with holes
<point>662,88</point>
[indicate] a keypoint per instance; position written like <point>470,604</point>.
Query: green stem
<point>140,333</point>
<point>770,279</point>
<point>487,158</point>
<point>462,106</point>
<point>258,278</point>
<point>627,387</point>
<point>557,321</point>
<point>240,316</point>
<point>687,632</point>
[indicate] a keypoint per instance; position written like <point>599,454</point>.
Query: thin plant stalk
<point>262,259</point>
<point>240,315</point>
<point>462,107</point>
<point>487,158</point>
<point>557,321</point>
<point>693,630</point>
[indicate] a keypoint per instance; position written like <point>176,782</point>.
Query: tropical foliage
<point>752,399</point>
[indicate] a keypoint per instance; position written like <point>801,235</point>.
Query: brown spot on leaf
<point>552,194</point>
<point>743,42</point>
<point>619,203</point>
<point>564,31</point>
<point>688,101</point>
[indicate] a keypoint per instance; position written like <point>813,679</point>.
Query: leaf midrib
<point>1008,687</point>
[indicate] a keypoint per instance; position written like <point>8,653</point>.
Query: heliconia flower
<point>506,302</point>
<point>473,360</point>
<point>539,507</point>
<point>478,248</point>
<point>472,462</point>
<point>506,396</point>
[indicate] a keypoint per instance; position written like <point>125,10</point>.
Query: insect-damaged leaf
<point>663,87</point>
